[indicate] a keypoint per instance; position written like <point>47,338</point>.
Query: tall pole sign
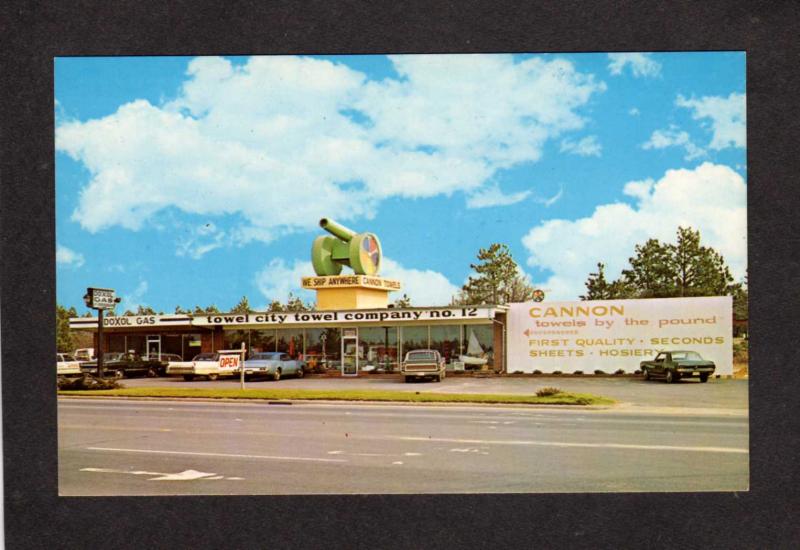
<point>100,299</point>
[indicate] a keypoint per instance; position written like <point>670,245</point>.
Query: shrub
<point>548,391</point>
<point>598,371</point>
<point>556,372</point>
<point>637,371</point>
<point>517,372</point>
<point>537,371</point>
<point>618,372</point>
<point>88,382</point>
<point>578,372</point>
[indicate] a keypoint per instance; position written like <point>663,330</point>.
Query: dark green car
<point>674,365</point>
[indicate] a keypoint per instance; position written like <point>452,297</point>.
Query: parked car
<point>121,365</point>
<point>67,365</point>
<point>162,361</point>
<point>84,354</point>
<point>273,364</point>
<point>210,365</point>
<point>423,363</point>
<point>674,365</point>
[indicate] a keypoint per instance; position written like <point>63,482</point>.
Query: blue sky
<point>194,181</point>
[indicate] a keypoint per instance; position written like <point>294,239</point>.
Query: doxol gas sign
<point>609,335</point>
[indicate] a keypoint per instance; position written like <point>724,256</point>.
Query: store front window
<point>379,349</point>
<point>192,344</point>
<point>262,340</point>
<point>447,340</point>
<point>323,349</point>
<point>290,341</point>
<point>414,338</point>
<point>233,339</point>
<point>478,346</point>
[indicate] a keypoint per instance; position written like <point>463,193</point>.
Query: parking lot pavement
<point>716,394</point>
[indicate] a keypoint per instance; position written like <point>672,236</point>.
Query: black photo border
<point>32,34</point>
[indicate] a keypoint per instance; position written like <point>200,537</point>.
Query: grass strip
<point>349,395</point>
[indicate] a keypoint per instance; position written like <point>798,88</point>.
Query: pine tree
<point>65,341</point>
<point>243,306</point>
<point>499,279</point>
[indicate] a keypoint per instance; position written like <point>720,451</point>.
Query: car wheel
<point>669,378</point>
<point>300,373</point>
<point>152,373</point>
<point>406,379</point>
<point>645,374</point>
<point>212,376</point>
<point>188,377</point>
<point>119,374</point>
<point>276,375</point>
<point>704,378</point>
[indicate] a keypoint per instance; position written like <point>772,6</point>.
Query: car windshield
<point>273,356</point>
<point>205,357</point>
<point>421,356</point>
<point>113,356</point>
<point>68,358</point>
<point>686,356</point>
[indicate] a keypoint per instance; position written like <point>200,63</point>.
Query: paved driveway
<point>629,391</point>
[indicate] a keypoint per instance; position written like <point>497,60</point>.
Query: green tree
<point>651,272</point>
<point>499,279</point>
<point>404,301</point>
<point>660,270</point>
<point>597,287</point>
<point>210,309</point>
<point>699,270</point>
<point>180,311</point>
<point>294,303</point>
<point>65,341</point>
<point>243,306</point>
<point>145,310</point>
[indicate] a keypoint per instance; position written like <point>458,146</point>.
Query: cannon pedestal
<point>351,291</point>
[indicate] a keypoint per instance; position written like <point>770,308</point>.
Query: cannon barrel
<point>338,230</point>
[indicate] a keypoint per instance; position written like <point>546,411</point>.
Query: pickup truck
<point>211,365</point>
<point>122,365</point>
<point>674,365</point>
<point>423,363</point>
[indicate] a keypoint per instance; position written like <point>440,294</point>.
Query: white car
<point>84,354</point>
<point>66,365</point>
<point>210,365</point>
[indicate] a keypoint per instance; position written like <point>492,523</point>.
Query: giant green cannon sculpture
<point>360,251</point>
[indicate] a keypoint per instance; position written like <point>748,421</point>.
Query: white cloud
<point>641,64</point>
<point>132,301</point>
<point>711,198</point>
<point>674,137</point>
<point>633,111</point>
<point>550,201</point>
<point>277,279</point>
<point>586,147</point>
<point>68,258</point>
<point>281,141</point>
<point>424,287</point>
<point>727,114</point>
<point>494,196</point>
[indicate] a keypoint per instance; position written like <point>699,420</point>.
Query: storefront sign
<point>101,298</point>
<point>354,316</point>
<point>132,321</point>
<point>617,334</point>
<point>345,281</point>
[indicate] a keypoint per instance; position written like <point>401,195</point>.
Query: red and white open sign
<point>229,362</point>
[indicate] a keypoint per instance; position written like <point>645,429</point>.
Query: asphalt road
<point>632,391</point>
<point>127,447</point>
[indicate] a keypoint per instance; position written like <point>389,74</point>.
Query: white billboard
<point>609,335</point>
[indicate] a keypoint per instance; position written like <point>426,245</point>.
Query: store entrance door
<point>350,352</point>
<point>154,346</point>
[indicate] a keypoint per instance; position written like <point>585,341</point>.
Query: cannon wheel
<point>321,256</point>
